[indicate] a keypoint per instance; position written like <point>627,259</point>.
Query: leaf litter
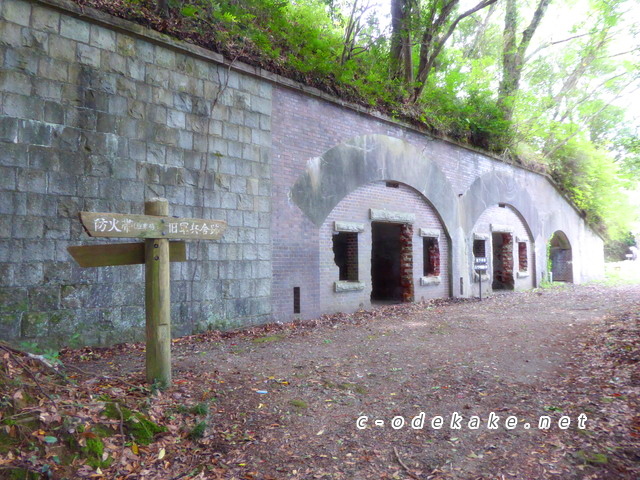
<point>553,352</point>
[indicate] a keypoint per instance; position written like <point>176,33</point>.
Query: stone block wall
<point>99,119</point>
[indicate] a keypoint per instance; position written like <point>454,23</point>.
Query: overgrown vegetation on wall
<point>503,76</point>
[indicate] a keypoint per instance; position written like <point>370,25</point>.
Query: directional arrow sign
<point>121,254</point>
<point>150,226</point>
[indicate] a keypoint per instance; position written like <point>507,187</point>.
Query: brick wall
<point>303,129</point>
<point>406,262</point>
<point>99,120</point>
<point>509,271</point>
<point>355,207</point>
<point>523,257</point>
<point>504,255</point>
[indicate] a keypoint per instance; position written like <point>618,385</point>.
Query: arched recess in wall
<point>495,188</point>
<point>561,257</point>
<point>502,237</point>
<point>382,242</point>
<point>366,159</point>
<point>500,189</point>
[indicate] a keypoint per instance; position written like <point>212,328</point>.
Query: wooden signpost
<point>156,227</point>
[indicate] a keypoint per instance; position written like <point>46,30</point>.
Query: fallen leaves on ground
<point>94,416</point>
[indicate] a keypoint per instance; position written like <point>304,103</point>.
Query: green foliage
<point>593,458</point>
<point>298,404</point>
<point>201,408</point>
<point>471,117</point>
<point>94,452</point>
<point>616,250</point>
<point>136,424</point>
<point>590,175</point>
<point>198,430</point>
<point>21,474</point>
<point>268,339</point>
<point>52,356</point>
<point>564,114</point>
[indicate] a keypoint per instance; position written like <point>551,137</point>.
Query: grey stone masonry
<point>348,227</point>
<point>378,215</point>
<point>99,119</point>
<point>99,114</point>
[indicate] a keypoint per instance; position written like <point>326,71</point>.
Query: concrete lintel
<point>432,280</point>
<point>348,227</point>
<point>389,216</point>
<point>481,236</point>
<point>346,286</point>
<point>520,239</point>
<point>501,228</point>
<point>430,232</point>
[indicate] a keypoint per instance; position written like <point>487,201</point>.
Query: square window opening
<point>345,250</point>
<point>431,257</point>
<point>479,248</point>
<point>522,256</point>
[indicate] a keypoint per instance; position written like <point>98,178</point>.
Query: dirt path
<point>516,354</point>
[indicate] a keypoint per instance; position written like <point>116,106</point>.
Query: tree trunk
<point>163,8</point>
<point>435,37</point>
<point>349,35</point>
<point>513,54</point>
<point>401,59</point>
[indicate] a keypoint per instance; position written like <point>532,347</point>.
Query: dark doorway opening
<point>386,261</point>
<point>502,261</point>
<point>392,262</point>
<point>561,258</point>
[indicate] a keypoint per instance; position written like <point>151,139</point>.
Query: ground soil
<point>285,400</point>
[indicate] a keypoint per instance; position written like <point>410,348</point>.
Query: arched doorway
<point>502,239</point>
<point>383,242</point>
<point>561,258</point>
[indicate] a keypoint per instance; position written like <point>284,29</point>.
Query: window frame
<point>430,236</point>
<point>348,280</point>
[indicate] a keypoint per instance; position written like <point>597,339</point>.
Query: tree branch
<point>621,53</point>
<point>577,130</point>
<point>551,44</point>
<point>26,370</point>
<point>431,49</point>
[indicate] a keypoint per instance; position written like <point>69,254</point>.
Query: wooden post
<point>158,301</point>
<point>156,227</point>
